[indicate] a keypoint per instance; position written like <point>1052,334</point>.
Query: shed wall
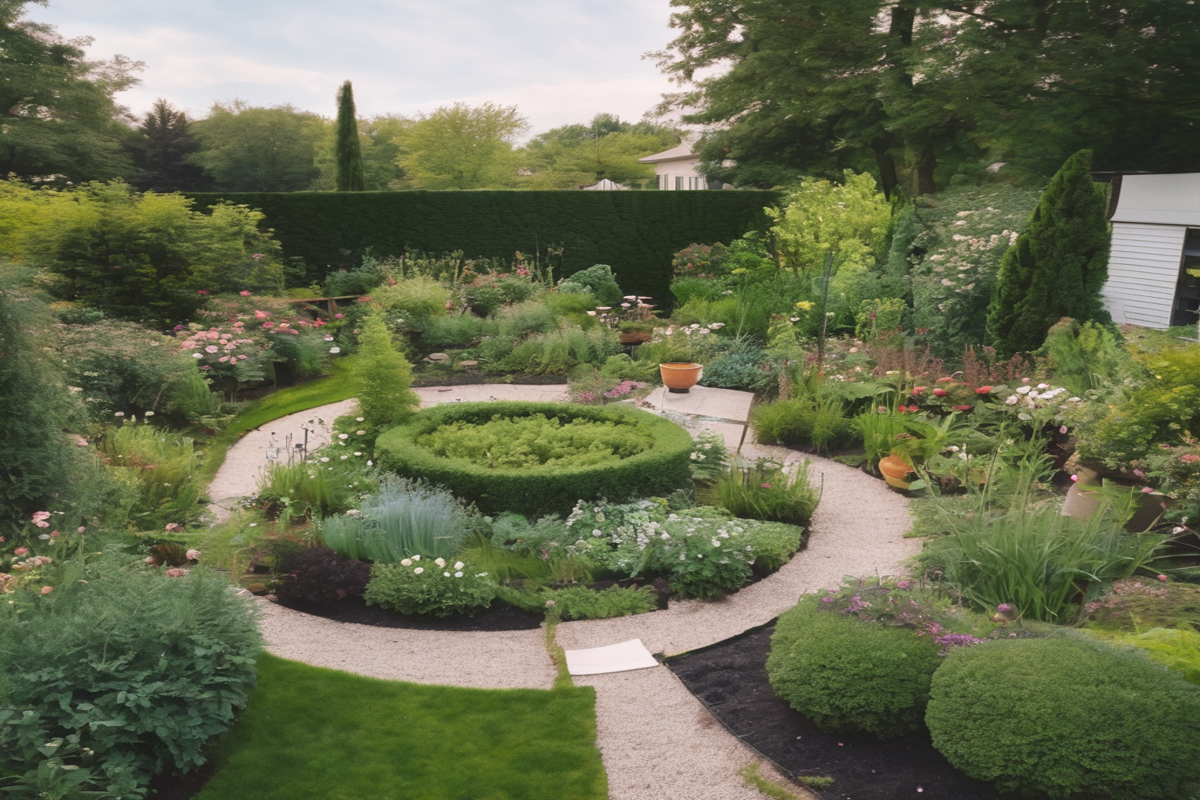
<point>1143,271</point>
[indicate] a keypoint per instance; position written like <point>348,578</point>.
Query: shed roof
<point>1172,199</point>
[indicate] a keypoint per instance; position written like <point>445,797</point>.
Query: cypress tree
<point>383,376</point>
<point>1057,266</point>
<point>349,151</point>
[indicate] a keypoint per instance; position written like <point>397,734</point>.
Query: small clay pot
<point>680,377</point>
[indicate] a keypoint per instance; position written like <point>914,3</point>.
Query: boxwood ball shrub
<point>527,468</point>
<point>1067,718</point>
<point>845,674</point>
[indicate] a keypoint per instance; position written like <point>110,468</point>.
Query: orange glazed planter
<point>893,468</point>
<point>680,376</point>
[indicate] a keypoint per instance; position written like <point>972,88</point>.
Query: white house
<point>678,169</point>
<point>1155,240</point>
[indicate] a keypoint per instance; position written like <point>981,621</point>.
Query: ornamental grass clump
<point>404,518</point>
<point>1067,717</point>
<point>766,492</point>
<point>430,586</point>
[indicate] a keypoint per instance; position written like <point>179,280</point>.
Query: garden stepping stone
<point>621,657</point>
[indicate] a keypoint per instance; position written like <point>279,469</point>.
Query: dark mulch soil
<point>730,678</point>
<point>499,617</point>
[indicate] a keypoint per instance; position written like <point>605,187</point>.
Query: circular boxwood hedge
<point>1067,718</point>
<point>846,674</point>
<point>534,491</point>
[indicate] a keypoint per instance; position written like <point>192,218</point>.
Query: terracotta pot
<point>680,377</point>
<point>893,468</point>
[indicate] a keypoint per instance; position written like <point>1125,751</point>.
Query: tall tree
<point>462,147</point>
<point>161,152</point>
<point>1058,264</point>
<point>349,151</point>
<point>570,155</point>
<point>58,115</point>
<point>914,87</point>
<point>254,149</point>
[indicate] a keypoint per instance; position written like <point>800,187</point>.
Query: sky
<point>559,61</point>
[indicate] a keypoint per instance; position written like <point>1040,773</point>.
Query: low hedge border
<point>536,491</point>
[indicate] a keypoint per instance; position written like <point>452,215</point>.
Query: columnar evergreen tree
<point>161,151</point>
<point>382,375</point>
<point>349,151</point>
<point>1058,264</point>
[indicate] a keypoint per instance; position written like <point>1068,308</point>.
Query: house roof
<point>1162,199</point>
<point>679,152</point>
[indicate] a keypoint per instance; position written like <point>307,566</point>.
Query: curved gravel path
<point>657,741</point>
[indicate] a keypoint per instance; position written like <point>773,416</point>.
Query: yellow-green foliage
<point>821,217</point>
<point>1176,649</point>
<point>535,440</point>
<point>414,299</point>
<point>382,375</point>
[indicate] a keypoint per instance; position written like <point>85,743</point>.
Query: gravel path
<point>657,741</point>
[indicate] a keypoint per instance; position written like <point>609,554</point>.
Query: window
<point>679,183</point>
<point>1187,290</point>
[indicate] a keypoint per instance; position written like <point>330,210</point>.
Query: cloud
<point>559,61</point>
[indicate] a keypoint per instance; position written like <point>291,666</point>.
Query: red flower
<point>917,390</point>
<point>765,485</point>
<point>945,380</point>
<point>962,408</point>
<point>940,392</point>
<point>983,390</point>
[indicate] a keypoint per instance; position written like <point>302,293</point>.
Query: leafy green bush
<point>955,257</point>
<point>454,330</point>
<point>403,519</point>
<point>556,352</point>
<point>660,468</point>
<point>535,440</point>
<point>121,366</point>
<point>158,475</point>
<point>767,492</point>
<point>144,669</point>
<point>580,602</point>
<point>152,257</point>
<point>488,294</point>
<point>1067,718</point>
<point>749,371</point>
<point>1176,649</point>
<point>319,577</point>
<point>599,281</point>
<point>846,674</point>
<point>523,319</point>
<point>429,586</point>
<point>1083,357</point>
<point>412,300</point>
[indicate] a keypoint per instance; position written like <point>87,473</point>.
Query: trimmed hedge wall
<point>636,233</point>
<point>536,491</point>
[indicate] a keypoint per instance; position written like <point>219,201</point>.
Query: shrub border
<point>534,491</point>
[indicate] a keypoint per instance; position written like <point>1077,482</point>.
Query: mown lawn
<point>326,735</point>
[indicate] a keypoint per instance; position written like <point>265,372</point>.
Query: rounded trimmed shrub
<point>849,675</point>
<point>659,469</point>
<point>1067,718</point>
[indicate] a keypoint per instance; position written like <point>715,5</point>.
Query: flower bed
<point>552,486</point>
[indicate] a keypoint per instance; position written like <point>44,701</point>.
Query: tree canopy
<point>911,87</point>
<point>58,115</point>
<point>162,152</point>
<point>462,147</point>
<point>574,155</point>
<point>254,149</point>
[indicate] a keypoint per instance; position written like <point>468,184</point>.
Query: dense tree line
<point>919,90</point>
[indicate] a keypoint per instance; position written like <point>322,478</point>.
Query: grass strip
<point>333,388</point>
<point>770,788</point>
<point>318,734</point>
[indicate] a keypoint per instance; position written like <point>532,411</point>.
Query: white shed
<point>678,169</point>
<point>1155,240</point>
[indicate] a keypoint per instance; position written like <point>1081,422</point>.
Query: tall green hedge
<point>634,232</point>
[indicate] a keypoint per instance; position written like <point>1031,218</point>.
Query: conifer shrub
<point>383,376</point>
<point>1067,718</point>
<point>846,674</point>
